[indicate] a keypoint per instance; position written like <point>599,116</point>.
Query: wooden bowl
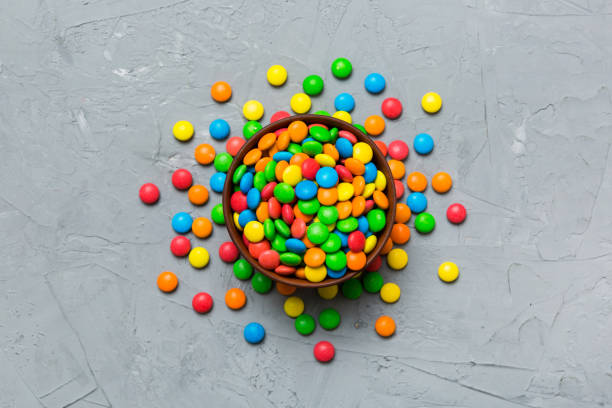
<point>330,122</point>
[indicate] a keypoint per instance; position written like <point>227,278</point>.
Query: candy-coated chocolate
<point>202,302</point>
<point>149,193</point>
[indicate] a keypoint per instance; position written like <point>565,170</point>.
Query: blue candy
<point>344,102</point>
<point>374,83</point>
<point>245,217</point>
<point>343,238</point>
<point>246,182</point>
<point>181,222</point>
<point>306,190</point>
<point>370,172</point>
<point>219,129</point>
<point>280,156</point>
<point>295,245</point>
<point>336,274</point>
<point>423,143</point>
<point>253,198</point>
<point>417,202</point>
<point>254,333</point>
<point>308,139</point>
<point>217,181</point>
<point>326,177</point>
<point>363,224</point>
<point>344,147</point>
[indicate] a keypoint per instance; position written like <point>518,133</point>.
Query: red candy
<point>344,173</point>
<point>381,146</point>
<point>234,144</point>
<point>324,351</point>
<point>269,259</point>
<point>245,240</point>
<point>317,124</point>
<point>398,150</point>
<point>268,191</point>
<point>391,108</point>
<point>228,252</point>
<point>369,204</point>
<point>310,168</point>
<point>149,193</point>
<point>356,241</point>
<point>298,228</point>
<point>180,246</point>
<point>287,214</point>
<point>280,131</point>
<point>348,135</point>
<point>375,265</point>
<point>182,179</point>
<point>278,116</point>
<point>274,208</point>
<point>202,302</point>
<point>285,270</point>
<point>257,248</point>
<point>456,213</point>
<point>399,189</point>
<point>238,201</point>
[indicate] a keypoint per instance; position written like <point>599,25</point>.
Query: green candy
<point>312,85</point>
<point>250,128</point>
<point>328,214</point>
<point>239,173</point>
<point>322,113</point>
<point>329,318</point>
<point>333,244</point>
<point>336,261</point>
<point>223,161</point>
<point>377,219</point>
<point>291,259</point>
<point>242,269</point>
<point>284,193</point>
<point>317,233</point>
<point>334,134</point>
<point>294,148</point>
<point>351,289</point>
<point>261,283</point>
<point>259,180</point>
<point>312,148</point>
<point>360,127</point>
<point>305,324</point>
<point>341,68</point>
<point>269,171</point>
<point>320,134</point>
<point>424,223</point>
<point>217,214</point>
<point>278,244</point>
<point>372,282</point>
<point>269,230</point>
<point>349,224</point>
<point>309,207</point>
<point>282,228</point>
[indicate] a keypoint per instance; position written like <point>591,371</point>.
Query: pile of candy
<point>309,201</point>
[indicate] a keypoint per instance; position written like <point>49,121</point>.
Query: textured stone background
<point>89,91</point>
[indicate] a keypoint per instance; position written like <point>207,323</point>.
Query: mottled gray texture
<point>89,91</point>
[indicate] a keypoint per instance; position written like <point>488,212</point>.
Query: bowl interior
<point>330,122</point>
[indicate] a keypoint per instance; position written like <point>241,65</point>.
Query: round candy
<point>352,289</point>
<point>277,75</point>
<point>397,259</point>
<point>423,143</point>
<point>204,153</point>
<point>254,231</point>
<point>417,202</point>
<point>223,161</point>
<point>441,182</point>
<point>356,241</point>
<point>149,193</point>
<point>448,272</point>
<point>261,283</point>
<point>431,102</point>
<point>228,252</point>
<point>181,179</point>
<point>385,326</point>
<point>250,128</point>
<point>180,246</point>
<point>306,189</point>
<point>364,153</point>
<point>292,175</point>
<point>315,274</point>
<point>312,85</point>
<point>317,233</point>
<point>202,302</point>
<point>456,213</point>
<point>424,223</point>
<point>377,219</point>
<point>253,110</point>
<point>219,129</point>
<point>300,103</point>
<point>217,181</point>
<point>344,102</point>
<point>328,292</point>
<point>294,306</point>
<point>201,227</point>
<point>390,292</point>
<point>398,150</point>
<point>284,289</point>
<point>199,257</point>
<point>254,333</point>
<point>235,298</point>
<point>276,116</point>
<point>416,181</point>
<point>342,115</point>
<point>284,193</point>
<point>329,318</point>
<point>216,214</point>
<point>183,130</point>
<point>374,125</point>
<point>305,324</point>
<point>341,68</point>
<point>181,222</point>
<point>373,281</point>
<point>327,177</point>
<point>242,269</point>
<point>374,83</point>
<point>324,351</point>
<point>167,281</point>
<point>198,195</point>
<point>221,91</point>
<point>391,108</point>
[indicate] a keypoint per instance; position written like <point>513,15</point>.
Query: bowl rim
<point>251,143</point>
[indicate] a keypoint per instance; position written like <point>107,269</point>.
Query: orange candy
<point>283,141</point>
<point>314,257</point>
<point>381,199</point>
<point>358,185</point>
<point>402,213</point>
<point>235,298</point>
<point>205,153</point>
<point>441,182</point>
<point>307,242</point>
<point>381,146</point>
<point>345,208</point>
<point>262,213</point>
<point>201,227</point>
<point>280,169</point>
<point>400,234</point>
<point>398,170</point>
<point>198,194</point>
<point>355,261</point>
<point>327,196</point>
<point>261,163</point>
<point>167,281</point>
<point>355,166</point>
<point>298,214</point>
<point>358,204</point>
<point>252,157</point>
<point>387,247</point>
<point>298,159</point>
<point>266,141</point>
<point>221,91</point>
<point>300,273</point>
<point>374,125</point>
<point>330,150</point>
<point>284,289</point>
<point>385,326</point>
<point>272,151</point>
<point>298,131</point>
<point>417,181</point>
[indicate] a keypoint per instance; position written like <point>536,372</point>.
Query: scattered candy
<point>294,306</point>
<point>234,144</point>
<point>374,83</point>
<point>204,154</point>
<point>219,129</point>
<point>424,223</point>
<point>328,292</point>
<point>253,110</point>
<point>216,214</point>
<point>181,222</point>
<point>305,324</point>
<point>417,202</point>
<point>198,195</point>
<point>149,193</point>
<point>183,130</point>
<point>277,75</point>
<point>344,102</point>
<point>385,326</point>
<point>300,103</point>
<point>221,91</point>
<point>182,179</point>
<point>351,289</point>
<point>390,292</point>
<point>343,115</point>
<point>374,125</point>
<point>242,269</point>
<point>167,281</point>
<point>341,68</point>
<point>202,302</point>
<point>448,272</point>
<point>423,143</point>
<point>397,259</point>
<point>373,281</point>
<point>199,257</point>
<point>261,283</point>
<point>324,351</point>
<point>284,289</point>
<point>417,181</point>
<point>329,318</point>
<point>431,102</point>
<point>391,108</point>
<point>180,246</point>
<point>312,85</point>
<point>235,299</point>
<point>254,333</point>
<point>201,227</point>
<point>441,182</point>
<point>228,252</point>
<point>251,127</point>
<point>398,150</point>
<point>456,213</point>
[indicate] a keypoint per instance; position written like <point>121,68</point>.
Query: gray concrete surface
<point>89,91</point>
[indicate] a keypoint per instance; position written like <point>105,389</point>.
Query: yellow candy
<point>342,115</point>
<point>345,191</point>
<point>294,306</point>
<point>325,160</point>
<point>199,257</point>
<point>182,130</point>
<point>277,75</point>
<point>397,259</point>
<point>253,110</point>
<point>292,175</point>
<point>254,231</point>
<point>362,152</point>
<point>368,190</point>
<point>390,292</point>
<point>448,272</point>
<point>380,183</point>
<point>370,243</point>
<point>328,292</point>
<point>315,274</point>
<point>300,103</point>
<point>331,227</point>
<point>236,223</point>
<point>431,102</point>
